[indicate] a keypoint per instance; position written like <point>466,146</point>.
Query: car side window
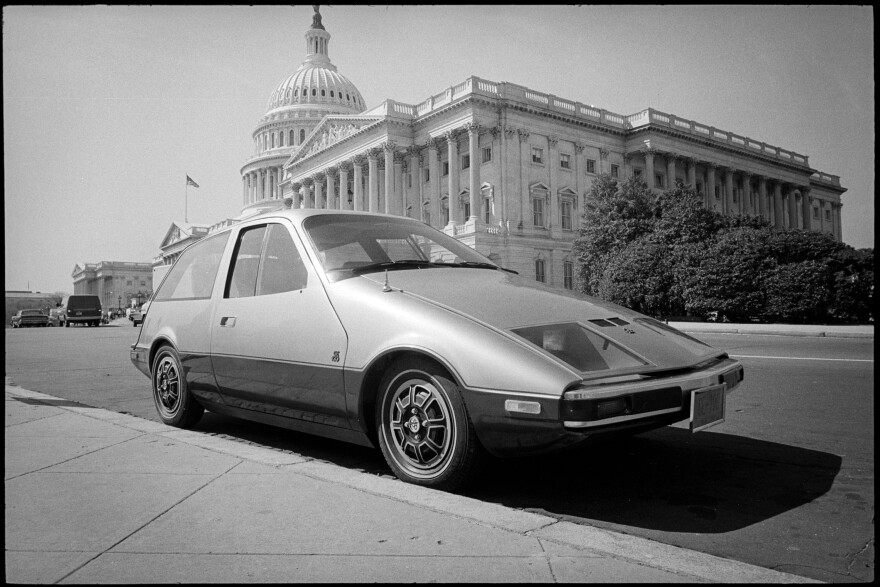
<point>242,281</point>
<point>193,275</point>
<point>282,268</point>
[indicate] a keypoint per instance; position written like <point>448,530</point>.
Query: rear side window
<point>193,275</point>
<point>265,262</point>
<point>83,302</point>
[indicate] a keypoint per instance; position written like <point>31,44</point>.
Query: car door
<point>277,345</point>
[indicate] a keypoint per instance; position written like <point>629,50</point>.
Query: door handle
<point>227,321</point>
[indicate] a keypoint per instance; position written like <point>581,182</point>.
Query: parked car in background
<point>137,316</point>
<point>28,318</point>
<point>383,331</point>
<point>55,316</point>
<point>81,309</point>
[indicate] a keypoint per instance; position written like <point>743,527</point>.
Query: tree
<point>615,215</point>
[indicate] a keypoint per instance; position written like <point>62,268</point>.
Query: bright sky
<point>106,109</point>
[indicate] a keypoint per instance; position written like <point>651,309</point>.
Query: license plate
<point>79,313</point>
<point>707,407</point>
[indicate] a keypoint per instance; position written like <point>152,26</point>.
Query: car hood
<point>506,301</point>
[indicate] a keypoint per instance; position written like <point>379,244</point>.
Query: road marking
<point>803,358</point>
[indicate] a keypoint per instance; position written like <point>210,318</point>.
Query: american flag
<point>189,181</point>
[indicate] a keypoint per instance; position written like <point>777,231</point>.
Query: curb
<point>633,549</point>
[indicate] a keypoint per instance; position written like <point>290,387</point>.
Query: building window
<point>487,209</point>
<point>467,209</point>
<point>568,274</point>
<point>129,282</point>
<point>658,180</point>
<point>487,154</point>
<point>827,214</point>
<point>538,155</point>
<point>465,161</point>
<point>615,171</point>
<point>717,192</point>
<point>302,135</point>
<point>565,214</point>
<point>637,173</point>
<point>408,180</point>
<point>700,188</point>
<point>565,160</point>
<point>539,271</point>
<point>143,283</point>
<point>815,213</point>
<point>427,175</point>
<point>591,166</point>
<point>445,168</point>
<point>538,212</point>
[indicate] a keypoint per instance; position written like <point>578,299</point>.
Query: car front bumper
<point>510,424</point>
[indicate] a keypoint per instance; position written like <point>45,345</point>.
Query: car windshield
<point>352,244</point>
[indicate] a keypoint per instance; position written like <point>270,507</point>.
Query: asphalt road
<point>786,482</point>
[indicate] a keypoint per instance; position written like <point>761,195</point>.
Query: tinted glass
<point>246,263</point>
<point>344,241</point>
<point>193,275</point>
<point>83,302</point>
<point>282,269</point>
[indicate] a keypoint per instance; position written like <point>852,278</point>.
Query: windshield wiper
<point>401,264</point>
<point>476,265</point>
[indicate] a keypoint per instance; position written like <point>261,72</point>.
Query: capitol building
<point>502,167</point>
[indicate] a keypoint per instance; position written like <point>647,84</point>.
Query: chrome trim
<point>626,418</point>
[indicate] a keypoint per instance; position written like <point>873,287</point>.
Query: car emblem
<point>629,331</point>
<point>413,424</point>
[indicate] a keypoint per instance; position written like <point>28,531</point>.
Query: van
<point>81,309</point>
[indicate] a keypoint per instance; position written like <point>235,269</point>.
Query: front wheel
<point>423,426</point>
<point>176,406</point>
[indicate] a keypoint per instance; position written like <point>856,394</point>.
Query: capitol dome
<point>295,108</point>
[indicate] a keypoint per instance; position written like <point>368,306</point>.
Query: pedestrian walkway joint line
<point>148,522</point>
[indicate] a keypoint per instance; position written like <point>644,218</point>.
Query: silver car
<point>382,331</point>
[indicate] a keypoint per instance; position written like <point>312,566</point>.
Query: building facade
<point>116,283</point>
<point>505,168</point>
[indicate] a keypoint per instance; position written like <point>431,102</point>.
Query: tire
<point>423,426</point>
<point>176,406</point>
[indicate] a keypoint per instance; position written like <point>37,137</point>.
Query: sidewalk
<point>776,329</point>
<point>94,496</point>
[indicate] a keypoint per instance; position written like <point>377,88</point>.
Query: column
<point>522,192</point>
<point>729,208</point>
<point>763,208</point>
<point>343,186</point>
<point>388,149</point>
<point>473,131</point>
<point>307,193</point>
<point>692,172</point>
<point>373,180</point>
<point>279,177</point>
<point>670,171</point>
<point>415,173</point>
<point>822,227</point>
<point>553,163</point>
<point>579,188</point>
<point>649,167</point>
<point>330,176</point>
<point>318,182</point>
<point>267,186</point>
<point>779,221</point>
<point>295,196</point>
<point>397,201</point>
<point>244,190</point>
<point>452,148</point>
<point>358,182</point>
<point>792,208</point>
<point>434,178</point>
<point>806,207</point>
<point>747,207</point>
<point>710,186</point>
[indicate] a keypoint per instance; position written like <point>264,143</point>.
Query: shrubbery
<point>670,256</point>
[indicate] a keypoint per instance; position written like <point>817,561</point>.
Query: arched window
<point>302,135</point>
<point>273,140</point>
<point>314,92</point>
<point>331,93</point>
<point>290,137</point>
<point>323,92</point>
<point>296,92</point>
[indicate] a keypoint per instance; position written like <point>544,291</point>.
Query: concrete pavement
<point>94,496</point>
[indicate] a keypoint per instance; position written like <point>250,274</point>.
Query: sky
<point>107,109</point>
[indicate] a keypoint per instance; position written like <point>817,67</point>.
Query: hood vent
<point>610,322</point>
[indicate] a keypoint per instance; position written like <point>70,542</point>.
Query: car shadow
<point>667,480</point>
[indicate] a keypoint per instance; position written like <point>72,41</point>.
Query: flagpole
<point>186,202</point>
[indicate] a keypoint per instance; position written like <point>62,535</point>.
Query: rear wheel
<point>423,426</point>
<point>176,406</point>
